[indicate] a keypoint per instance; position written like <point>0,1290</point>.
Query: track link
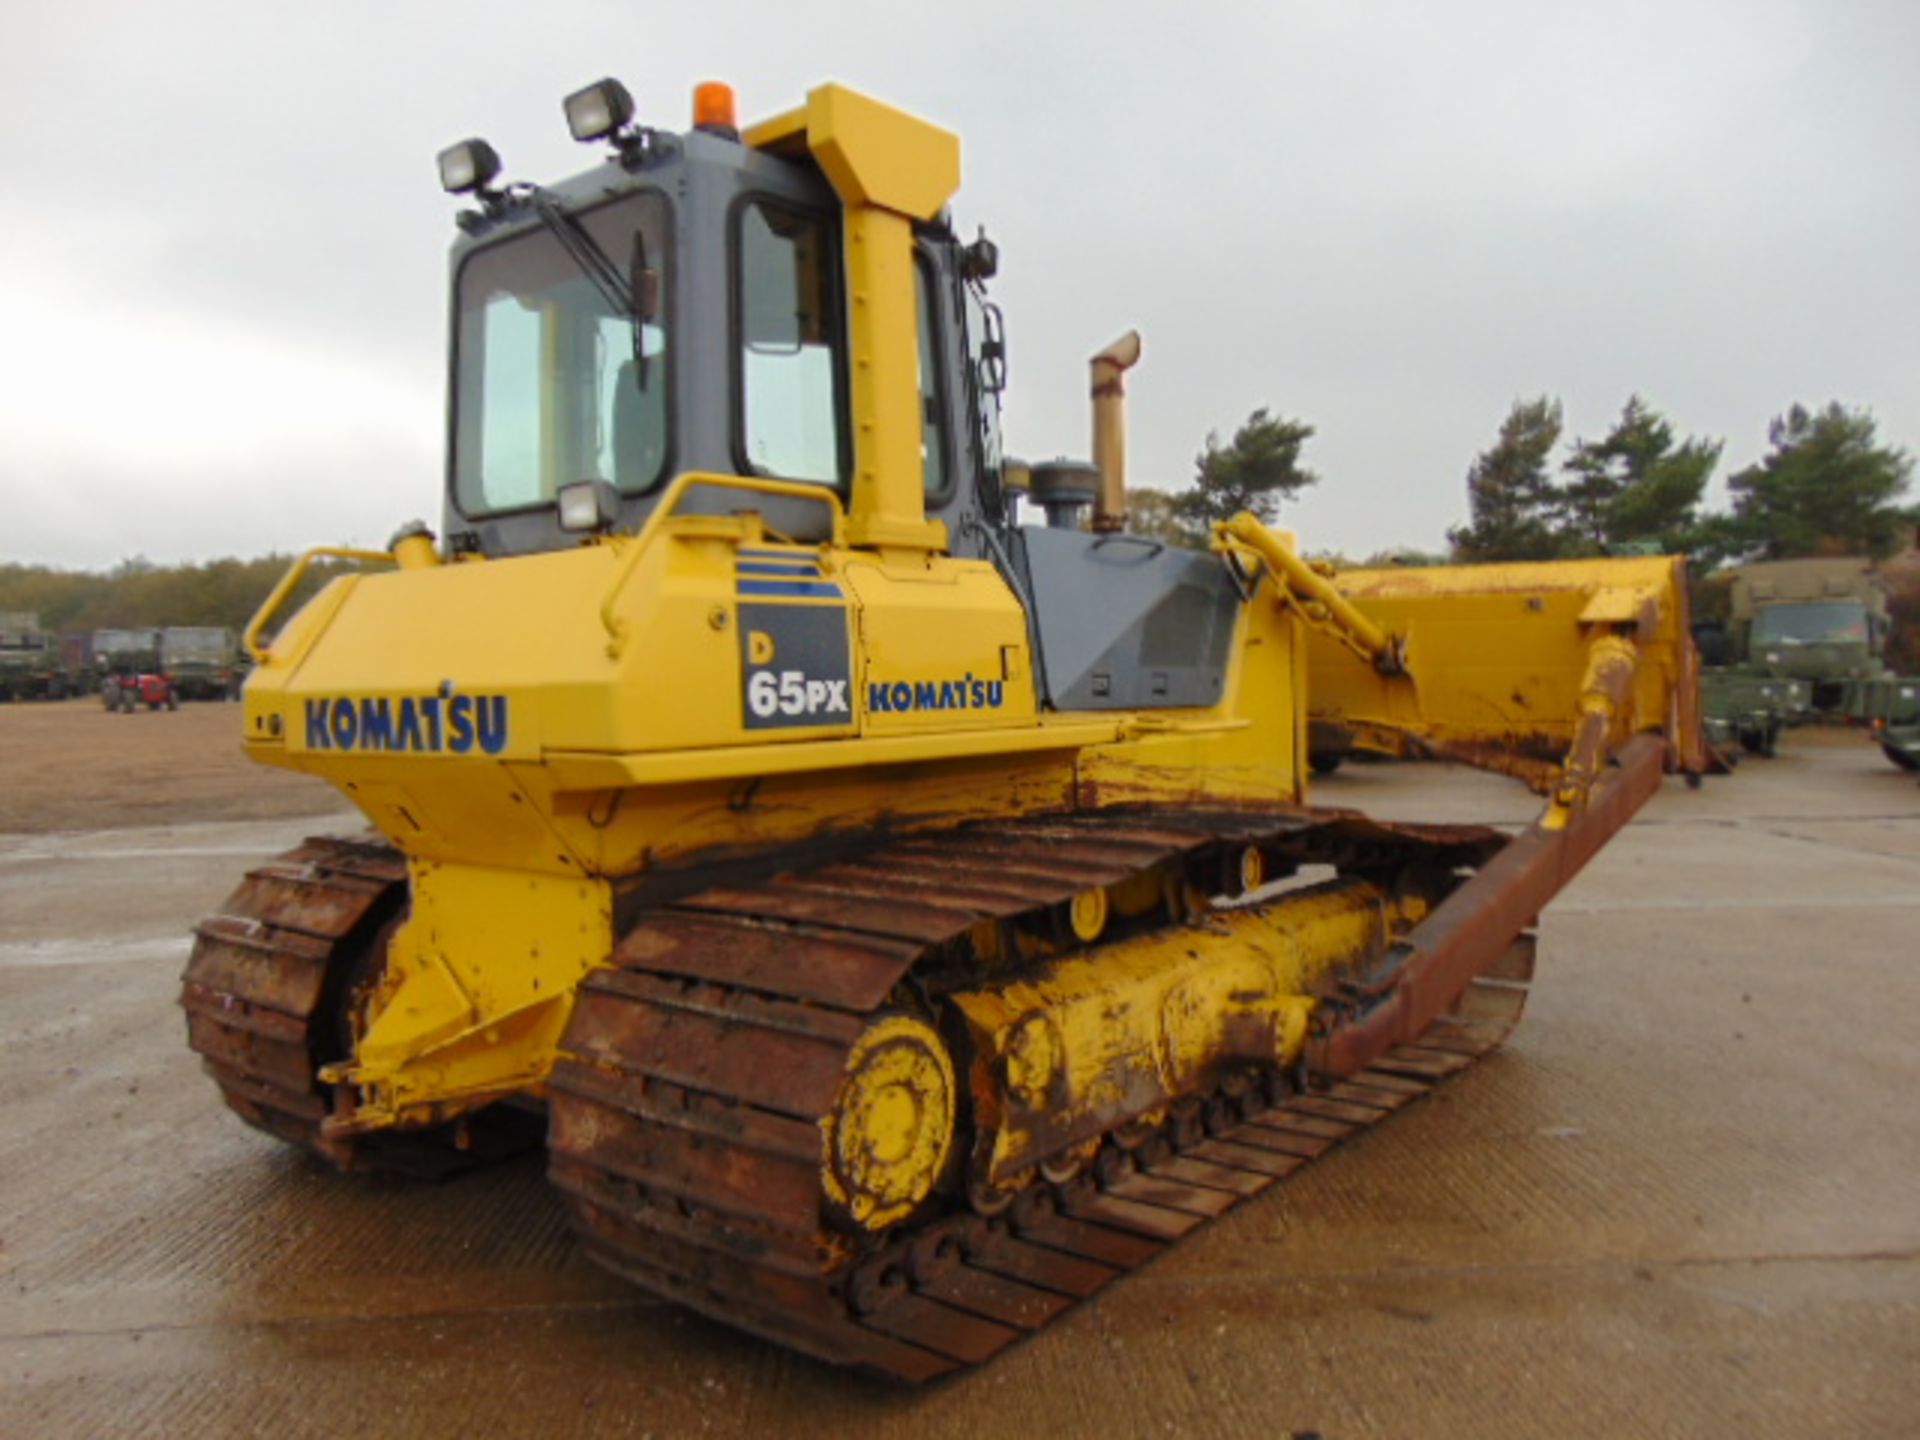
<point>263,993</point>
<point>685,1108</point>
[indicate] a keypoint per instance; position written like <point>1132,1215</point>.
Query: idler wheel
<point>1087,915</point>
<point>1246,871</point>
<point>889,1135</point>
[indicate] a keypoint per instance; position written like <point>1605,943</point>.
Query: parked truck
<point>1804,641</point>
<point>202,660</point>
<point>29,660</point>
<point>1820,620</point>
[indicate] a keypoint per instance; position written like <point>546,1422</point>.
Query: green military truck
<point>203,661</point>
<point>1901,744</point>
<point>1823,621</point>
<point>1800,632</point>
<point>1750,710</point>
<point>1890,707</point>
<point>29,659</point>
<point>1806,641</point>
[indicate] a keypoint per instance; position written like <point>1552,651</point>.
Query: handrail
<point>617,628</point>
<point>1313,591</point>
<point>250,637</point>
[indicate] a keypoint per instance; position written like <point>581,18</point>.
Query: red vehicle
<point>131,672</point>
<point>126,692</point>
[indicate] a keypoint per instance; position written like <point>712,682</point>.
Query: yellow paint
<point>1497,654</point>
<point>1087,915</point>
<point>1317,599</point>
<point>415,551</point>
<point>618,666</point>
<point>887,1139</point>
<point>1086,1042</point>
<point>983,637</point>
<point>889,169</point>
<point>250,637</point>
<point>478,984</point>
<point>740,530</point>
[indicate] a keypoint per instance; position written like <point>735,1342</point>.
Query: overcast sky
<point>222,310</point>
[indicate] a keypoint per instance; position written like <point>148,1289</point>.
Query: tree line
<point>1826,486</point>
<point>137,593</point>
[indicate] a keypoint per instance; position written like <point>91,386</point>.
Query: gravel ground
<point>1681,1203</point>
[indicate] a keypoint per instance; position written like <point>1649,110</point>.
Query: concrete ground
<point>1682,1203</point>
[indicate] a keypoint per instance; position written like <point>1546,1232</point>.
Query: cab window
<point>552,384</point>
<point>789,344</point>
<point>933,413</point>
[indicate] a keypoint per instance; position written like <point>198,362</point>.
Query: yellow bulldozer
<point>896,919</point>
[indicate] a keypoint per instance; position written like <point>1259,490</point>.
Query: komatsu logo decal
<point>445,724</point>
<point>965,693</point>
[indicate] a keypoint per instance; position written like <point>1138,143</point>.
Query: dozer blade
<point>1490,664</point>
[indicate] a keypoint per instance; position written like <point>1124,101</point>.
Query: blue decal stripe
<point>773,567</point>
<point>808,589</point>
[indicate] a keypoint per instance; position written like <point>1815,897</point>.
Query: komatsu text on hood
<point>446,723</point>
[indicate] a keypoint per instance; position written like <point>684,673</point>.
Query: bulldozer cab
<point>730,349</point>
<point>683,307</point>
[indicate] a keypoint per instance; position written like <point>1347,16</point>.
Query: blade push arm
<point>1578,676</point>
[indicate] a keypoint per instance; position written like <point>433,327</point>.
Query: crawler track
<point>684,1126</point>
<point>264,991</point>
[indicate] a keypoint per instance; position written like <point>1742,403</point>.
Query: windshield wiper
<point>594,262</point>
<point>631,294</point>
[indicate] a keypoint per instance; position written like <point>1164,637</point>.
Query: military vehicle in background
<point>1823,621</point>
<point>29,661</point>
<point>1900,744</point>
<point>1750,711</point>
<point>1740,711</point>
<point>202,661</point>
<point>1889,706</point>
<point>77,662</point>
<point>130,671</point>
<point>1804,638</point>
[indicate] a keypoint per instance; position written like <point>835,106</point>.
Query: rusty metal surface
<point>1474,927</point>
<point>261,992</point>
<point>852,972</point>
<point>694,1074</point>
<point>255,982</point>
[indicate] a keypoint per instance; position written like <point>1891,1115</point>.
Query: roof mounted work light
<point>601,110</point>
<point>468,167</point>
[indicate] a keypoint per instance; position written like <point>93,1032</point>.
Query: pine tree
<point>1636,488</point>
<point>1259,469</point>
<point>1509,493</point>
<point>1827,488</point>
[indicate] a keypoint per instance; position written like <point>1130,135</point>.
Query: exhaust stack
<point>1110,430</point>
